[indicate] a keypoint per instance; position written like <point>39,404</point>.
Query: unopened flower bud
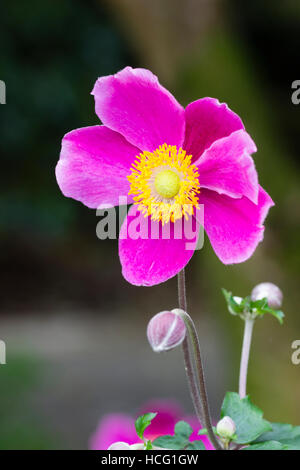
<point>270,291</point>
<point>137,446</point>
<point>226,428</point>
<point>119,446</point>
<point>166,330</point>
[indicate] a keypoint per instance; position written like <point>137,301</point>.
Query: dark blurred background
<point>74,329</point>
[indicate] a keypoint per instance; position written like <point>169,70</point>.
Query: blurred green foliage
<point>20,428</point>
<point>52,53</point>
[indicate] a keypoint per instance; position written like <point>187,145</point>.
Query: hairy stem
<point>188,362</point>
<point>249,322</point>
<point>195,377</point>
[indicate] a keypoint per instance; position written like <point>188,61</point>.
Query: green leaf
<point>183,429</point>
<point>226,294</point>
<point>276,313</point>
<point>246,304</point>
<point>261,303</point>
<point>180,440</point>
<point>171,442</point>
<point>233,307</point>
<point>149,445</point>
<point>292,444</point>
<point>204,431</point>
<point>268,445</point>
<point>247,417</point>
<point>143,422</point>
<point>195,445</point>
<point>255,307</point>
<point>286,434</point>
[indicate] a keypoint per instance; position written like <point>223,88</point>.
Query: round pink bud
<point>166,330</point>
<point>270,291</point>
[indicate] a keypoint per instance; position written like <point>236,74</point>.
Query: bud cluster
<point>265,298</point>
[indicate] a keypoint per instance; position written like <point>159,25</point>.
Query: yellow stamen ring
<point>165,184</point>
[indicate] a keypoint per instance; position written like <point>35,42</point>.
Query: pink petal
<point>226,167</point>
<point>156,253</point>
<point>114,427</point>
<point>134,103</point>
<point>93,166</point>
<point>208,120</point>
<point>168,413</point>
<point>234,226</point>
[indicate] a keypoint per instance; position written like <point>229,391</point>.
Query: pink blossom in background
<point>167,160</point>
<point>119,427</point>
<point>113,427</point>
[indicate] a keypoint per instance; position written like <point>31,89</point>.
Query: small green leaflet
<point>247,417</point>
<point>148,445</point>
<point>276,313</point>
<point>204,431</point>
<point>183,429</point>
<point>170,442</point>
<point>142,423</point>
<point>234,307</point>
<point>262,303</point>
<point>180,440</point>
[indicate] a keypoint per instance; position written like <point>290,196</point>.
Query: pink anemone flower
<point>119,427</point>
<point>169,162</point>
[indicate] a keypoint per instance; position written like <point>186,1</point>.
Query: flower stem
<point>196,381</point>
<point>249,322</point>
<point>189,369</point>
